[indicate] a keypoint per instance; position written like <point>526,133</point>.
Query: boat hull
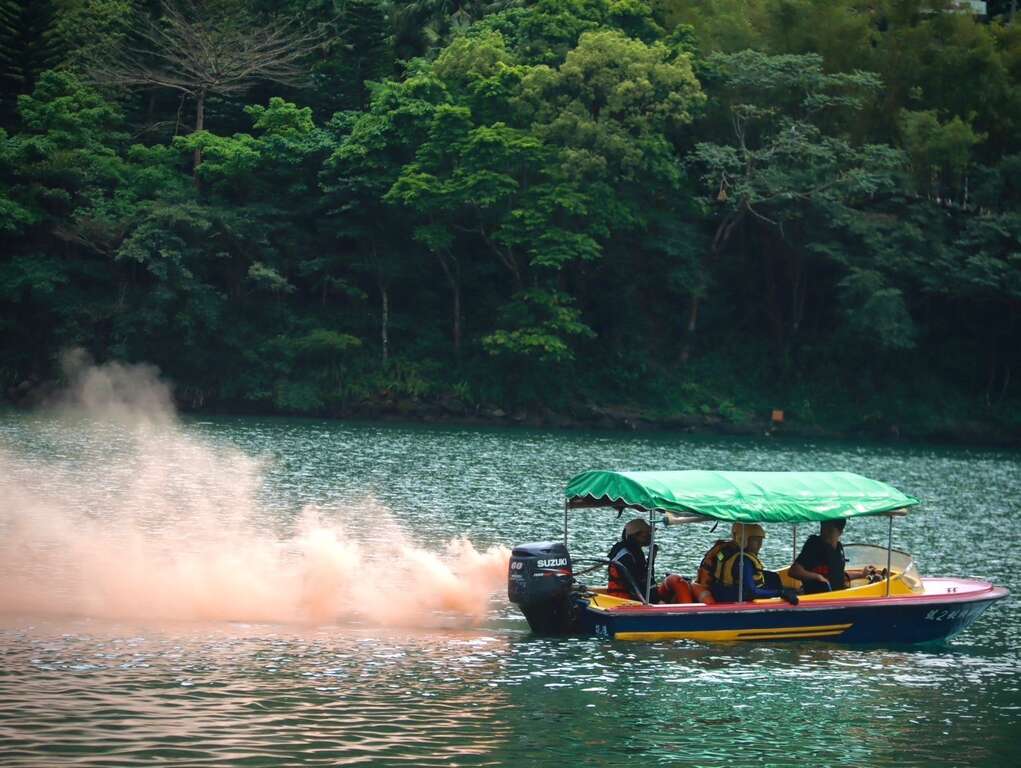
<point>946,607</point>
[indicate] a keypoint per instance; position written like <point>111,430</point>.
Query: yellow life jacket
<point>711,568</point>
<point>727,577</point>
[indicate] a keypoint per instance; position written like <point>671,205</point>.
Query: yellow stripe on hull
<point>898,587</point>
<point>776,633</point>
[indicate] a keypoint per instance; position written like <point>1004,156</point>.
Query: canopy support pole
<point>565,525</point>
<point>652,556</point>
<point>740,568</point>
<point>889,555</point>
<point>794,553</point>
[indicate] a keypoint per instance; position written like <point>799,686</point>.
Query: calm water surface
<point>83,691</point>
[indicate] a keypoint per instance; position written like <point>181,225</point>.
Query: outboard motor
<point>539,581</point>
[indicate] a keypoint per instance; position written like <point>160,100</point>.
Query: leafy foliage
<point>699,209</point>
<point>30,44</point>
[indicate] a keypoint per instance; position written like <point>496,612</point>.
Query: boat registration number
<point>949,614</point>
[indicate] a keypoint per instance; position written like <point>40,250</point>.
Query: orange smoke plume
<point>154,522</point>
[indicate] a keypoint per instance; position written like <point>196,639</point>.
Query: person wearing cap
<point>821,564</point>
<point>629,569</point>
<point>743,574</point>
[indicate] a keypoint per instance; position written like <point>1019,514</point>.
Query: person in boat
<point>757,581</point>
<point>821,564</point>
<point>629,569</point>
<point>711,568</point>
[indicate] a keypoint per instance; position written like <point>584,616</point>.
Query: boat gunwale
<point>989,593</point>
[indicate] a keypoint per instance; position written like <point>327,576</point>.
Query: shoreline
<point>452,412</point>
<point>631,419</point>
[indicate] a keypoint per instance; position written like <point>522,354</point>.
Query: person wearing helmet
<point>743,567</point>
<point>710,569</point>
<point>820,566</point>
<point>629,569</point>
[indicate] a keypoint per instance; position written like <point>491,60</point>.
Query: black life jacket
<point>833,565</point>
<point>628,570</point>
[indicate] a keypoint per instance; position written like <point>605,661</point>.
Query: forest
<point>687,213</point>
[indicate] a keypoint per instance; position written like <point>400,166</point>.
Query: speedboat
<point>902,606</point>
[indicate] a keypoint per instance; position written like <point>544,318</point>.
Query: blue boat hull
<point>920,619</point>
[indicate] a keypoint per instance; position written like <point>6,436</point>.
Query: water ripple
<point>94,693</point>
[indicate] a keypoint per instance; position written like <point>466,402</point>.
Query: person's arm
<point>806,561</point>
<point>751,589</point>
<point>801,573</point>
<point>669,518</point>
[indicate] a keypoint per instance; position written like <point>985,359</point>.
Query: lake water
<point>284,592</point>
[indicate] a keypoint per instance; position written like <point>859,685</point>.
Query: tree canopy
<point>689,210</point>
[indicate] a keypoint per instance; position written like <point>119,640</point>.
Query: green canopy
<point>762,497</point>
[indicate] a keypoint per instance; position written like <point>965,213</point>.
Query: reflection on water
<point>106,692</point>
<point>120,694</point>
<point>686,703</point>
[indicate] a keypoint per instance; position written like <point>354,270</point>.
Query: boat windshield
<point>860,555</point>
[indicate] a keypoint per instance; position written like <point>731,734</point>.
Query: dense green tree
<point>699,209</point>
<point>205,50</point>
<point>260,200</point>
<point>421,26</point>
<point>92,30</point>
<point>358,175</point>
<point>29,45</point>
<point>590,136</point>
<point>940,154</point>
<point>64,159</point>
<point>784,168</point>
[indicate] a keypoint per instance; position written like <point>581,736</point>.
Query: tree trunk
<point>797,271</point>
<point>457,320</point>
<point>690,330</point>
<point>150,109</point>
<point>200,122</point>
<point>720,239</point>
<point>452,272</point>
<point>384,329</point>
<point>506,257</point>
<point>992,370</point>
<point>774,313</point>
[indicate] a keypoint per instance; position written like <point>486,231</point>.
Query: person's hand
<point>820,578</point>
<point>789,595</point>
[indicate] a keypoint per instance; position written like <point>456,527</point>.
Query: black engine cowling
<point>539,582</point>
